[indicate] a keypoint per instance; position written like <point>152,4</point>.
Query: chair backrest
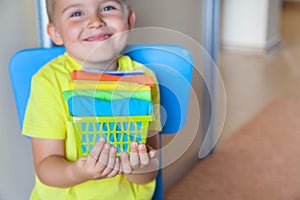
<point>172,65</point>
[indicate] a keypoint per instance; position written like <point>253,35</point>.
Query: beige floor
<point>259,162</point>
<point>251,81</point>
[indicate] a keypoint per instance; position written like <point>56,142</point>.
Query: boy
<point>94,32</point>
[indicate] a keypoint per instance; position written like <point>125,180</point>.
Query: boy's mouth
<point>98,38</point>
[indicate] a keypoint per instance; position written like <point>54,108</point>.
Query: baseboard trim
<point>271,47</point>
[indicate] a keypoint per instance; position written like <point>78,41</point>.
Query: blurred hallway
<point>251,81</point>
<point>258,155</point>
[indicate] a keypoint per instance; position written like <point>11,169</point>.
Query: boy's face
<point>94,32</point>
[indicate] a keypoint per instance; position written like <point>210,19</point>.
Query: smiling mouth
<point>98,38</point>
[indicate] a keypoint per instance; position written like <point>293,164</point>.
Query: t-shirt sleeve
<point>45,113</point>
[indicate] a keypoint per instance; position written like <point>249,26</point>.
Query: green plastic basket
<point>118,131</point>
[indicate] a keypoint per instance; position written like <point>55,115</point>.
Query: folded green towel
<point>108,95</point>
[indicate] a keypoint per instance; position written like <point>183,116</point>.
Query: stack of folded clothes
<point>115,105</point>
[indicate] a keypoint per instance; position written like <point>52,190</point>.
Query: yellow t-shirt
<point>47,117</point>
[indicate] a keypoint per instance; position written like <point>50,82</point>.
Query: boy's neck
<point>109,66</point>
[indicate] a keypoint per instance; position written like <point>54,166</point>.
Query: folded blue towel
<point>89,106</point>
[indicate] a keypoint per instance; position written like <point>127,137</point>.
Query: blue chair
<point>172,65</point>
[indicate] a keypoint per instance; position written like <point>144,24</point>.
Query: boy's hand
<point>102,162</point>
<point>138,159</point>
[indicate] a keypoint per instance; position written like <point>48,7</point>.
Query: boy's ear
<point>131,19</point>
<point>54,35</point>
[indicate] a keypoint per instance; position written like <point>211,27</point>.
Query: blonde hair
<point>50,6</point>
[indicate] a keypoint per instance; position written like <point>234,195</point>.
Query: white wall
<point>252,25</point>
<point>244,22</point>
<point>183,16</point>
<point>18,31</point>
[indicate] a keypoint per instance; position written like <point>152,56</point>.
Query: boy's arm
<point>54,170</point>
<point>143,173</point>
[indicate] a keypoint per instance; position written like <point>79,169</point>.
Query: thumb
<point>152,153</point>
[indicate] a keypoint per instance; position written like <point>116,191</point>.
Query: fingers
<point>116,169</point>
<point>139,157</point>
<point>95,152</point>
<point>143,155</point>
<point>102,160</point>
<point>126,165</point>
<point>104,157</point>
<point>134,155</point>
<point>152,153</point>
<point>121,167</point>
<point>110,166</point>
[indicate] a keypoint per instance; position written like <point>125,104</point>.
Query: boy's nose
<point>96,22</point>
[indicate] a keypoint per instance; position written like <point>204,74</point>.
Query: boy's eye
<point>77,14</point>
<point>108,8</point>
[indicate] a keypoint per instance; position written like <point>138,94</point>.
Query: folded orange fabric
<point>92,76</point>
